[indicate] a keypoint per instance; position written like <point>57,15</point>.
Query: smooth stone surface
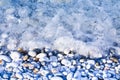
<point>12,64</point>
<point>41,55</point>
<point>69,76</point>
<point>4,35</point>
<point>110,79</point>
<point>56,78</point>
<point>53,58</point>
<point>92,62</point>
<point>83,78</point>
<point>6,58</point>
<point>88,66</point>
<point>66,62</point>
<point>54,64</point>
<point>94,78</point>
<point>32,53</point>
<point>19,75</point>
<point>11,46</point>
<point>77,74</point>
<point>15,56</point>
<point>5,76</point>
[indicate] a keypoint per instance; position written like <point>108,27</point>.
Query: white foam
<point>88,27</point>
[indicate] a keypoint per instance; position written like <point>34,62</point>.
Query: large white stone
<point>15,56</point>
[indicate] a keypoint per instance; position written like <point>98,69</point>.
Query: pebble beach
<point>59,40</point>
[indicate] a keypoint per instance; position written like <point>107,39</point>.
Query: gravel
<point>59,40</point>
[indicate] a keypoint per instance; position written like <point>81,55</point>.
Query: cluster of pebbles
<point>47,64</point>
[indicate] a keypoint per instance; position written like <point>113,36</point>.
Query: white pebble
<point>92,62</point>
<point>69,76</point>
<point>66,62</point>
<point>1,68</point>
<point>15,56</point>
<point>56,78</point>
<point>32,53</point>
<point>6,58</point>
<point>110,79</point>
<point>11,46</point>
<point>4,35</point>
<point>12,64</point>
<point>83,78</point>
<point>44,72</point>
<point>109,61</point>
<point>77,74</point>
<point>88,66</point>
<point>104,60</point>
<point>18,75</point>
<point>53,58</point>
<point>94,78</point>
<point>54,64</point>
<point>82,60</point>
<point>5,76</point>
<point>41,55</point>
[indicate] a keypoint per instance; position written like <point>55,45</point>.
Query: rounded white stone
<point>41,55</point>
<point>12,64</point>
<point>11,46</point>
<point>69,76</point>
<point>54,64</point>
<point>110,79</point>
<point>4,35</point>
<point>6,58</point>
<point>32,53</point>
<point>104,60</point>
<point>82,60</point>
<point>56,78</point>
<point>1,68</point>
<point>77,74</point>
<point>2,42</point>
<point>44,72</point>
<point>83,78</point>
<point>94,78</point>
<point>15,56</point>
<point>66,62</point>
<point>5,76</point>
<point>91,62</point>
<point>109,61</point>
<point>88,66</point>
<point>18,75</point>
<point>74,62</point>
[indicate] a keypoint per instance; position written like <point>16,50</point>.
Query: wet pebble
<point>15,56</point>
<point>92,62</point>
<point>19,75</point>
<point>41,56</point>
<point>56,78</point>
<point>32,53</point>
<point>69,76</point>
<point>94,78</point>
<point>5,58</point>
<point>66,62</point>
